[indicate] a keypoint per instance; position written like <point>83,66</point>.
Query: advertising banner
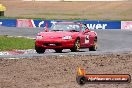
<point>8,22</point>
<point>90,24</point>
<point>25,23</point>
<point>126,25</point>
<point>30,23</point>
<point>103,24</point>
<point>42,23</point>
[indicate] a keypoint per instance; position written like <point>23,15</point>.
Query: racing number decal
<point>86,38</point>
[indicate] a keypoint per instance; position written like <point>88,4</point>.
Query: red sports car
<point>66,35</point>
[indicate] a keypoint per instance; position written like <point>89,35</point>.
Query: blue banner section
<point>8,22</point>
<point>42,23</point>
<point>90,24</point>
<point>103,24</point>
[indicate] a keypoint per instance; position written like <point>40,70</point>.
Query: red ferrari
<point>66,35</point>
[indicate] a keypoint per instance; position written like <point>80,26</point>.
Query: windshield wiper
<point>56,30</point>
<point>73,30</point>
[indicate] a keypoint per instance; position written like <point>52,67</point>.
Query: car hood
<point>58,34</point>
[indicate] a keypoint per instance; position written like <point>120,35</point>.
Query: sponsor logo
<point>83,78</point>
<point>96,26</point>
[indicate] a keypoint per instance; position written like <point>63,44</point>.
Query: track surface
<point>109,41</point>
<point>59,71</point>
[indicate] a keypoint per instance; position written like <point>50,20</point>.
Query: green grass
<point>12,43</point>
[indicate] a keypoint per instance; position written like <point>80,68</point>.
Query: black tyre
<point>58,50</point>
<point>81,80</point>
<point>76,46</point>
<point>39,50</point>
<point>94,47</point>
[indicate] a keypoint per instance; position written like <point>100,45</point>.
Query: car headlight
<point>39,37</point>
<point>67,37</point>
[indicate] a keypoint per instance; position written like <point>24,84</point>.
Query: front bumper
<point>55,44</point>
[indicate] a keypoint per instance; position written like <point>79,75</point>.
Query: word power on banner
<point>103,24</point>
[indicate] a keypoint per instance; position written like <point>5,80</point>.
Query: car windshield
<point>65,27</point>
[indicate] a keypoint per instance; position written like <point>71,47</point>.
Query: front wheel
<point>39,50</point>
<point>76,46</point>
<point>94,47</point>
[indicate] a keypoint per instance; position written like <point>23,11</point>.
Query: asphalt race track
<point>109,41</point>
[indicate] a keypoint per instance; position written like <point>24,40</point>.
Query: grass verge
<point>12,43</point>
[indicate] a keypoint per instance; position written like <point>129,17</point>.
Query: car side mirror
<point>87,30</point>
<point>46,30</point>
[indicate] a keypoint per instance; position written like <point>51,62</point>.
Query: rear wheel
<point>76,46</point>
<point>58,50</point>
<point>39,50</point>
<point>94,47</point>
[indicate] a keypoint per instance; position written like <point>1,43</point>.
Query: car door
<point>85,35</point>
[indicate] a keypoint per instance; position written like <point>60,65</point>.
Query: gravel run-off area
<point>60,71</point>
